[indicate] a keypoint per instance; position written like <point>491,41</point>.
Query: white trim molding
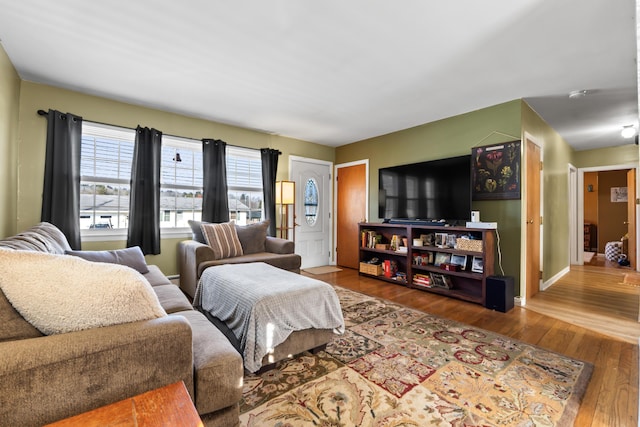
<point>554,279</point>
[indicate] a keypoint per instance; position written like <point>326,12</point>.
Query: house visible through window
<point>105,168</point>
<point>180,182</point>
<point>244,182</point>
<point>106,158</point>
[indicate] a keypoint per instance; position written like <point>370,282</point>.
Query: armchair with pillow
<point>228,243</point>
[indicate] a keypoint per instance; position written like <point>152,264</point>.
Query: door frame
<point>334,257</point>
<point>292,159</point>
<point>580,204</point>
<point>575,257</point>
<point>523,219</point>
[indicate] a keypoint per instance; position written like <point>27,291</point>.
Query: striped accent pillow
<point>223,239</point>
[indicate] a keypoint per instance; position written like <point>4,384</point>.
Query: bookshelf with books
<point>452,261</point>
<point>383,252</point>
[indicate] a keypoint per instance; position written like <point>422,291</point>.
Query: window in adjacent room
<point>244,182</point>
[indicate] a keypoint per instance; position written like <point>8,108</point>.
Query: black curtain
<point>215,198</point>
<point>61,190</point>
<point>269,159</point>
<point>144,198</point>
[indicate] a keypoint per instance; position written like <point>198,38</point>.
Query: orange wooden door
<point>532,170</point>
<point>351,205</point>
<point>631,216</point>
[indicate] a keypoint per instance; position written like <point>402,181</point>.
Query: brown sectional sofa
<point>194,256</point>
<point>47,378</point>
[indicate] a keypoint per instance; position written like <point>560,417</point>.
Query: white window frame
<point>185,144</point>
<point>253,155</point>
<point>116,133</point>
<point>128,135</point>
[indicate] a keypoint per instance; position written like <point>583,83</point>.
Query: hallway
<point>594,296</point>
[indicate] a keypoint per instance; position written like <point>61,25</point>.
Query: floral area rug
<point>396,366</point>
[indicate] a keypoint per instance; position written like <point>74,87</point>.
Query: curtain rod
<point>44,113</point>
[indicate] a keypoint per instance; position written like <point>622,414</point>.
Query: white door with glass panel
<point>312,210</point>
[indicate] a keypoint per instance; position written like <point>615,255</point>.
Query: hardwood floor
<point>595,297</point>
<point>611,398</point>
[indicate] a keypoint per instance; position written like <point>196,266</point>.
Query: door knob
<point>530,221</point>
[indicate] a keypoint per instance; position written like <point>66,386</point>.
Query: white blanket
<point>263,304</point>
<point>64,293</point>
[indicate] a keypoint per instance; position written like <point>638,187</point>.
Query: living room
<point>23,184</point>
<point>22,148</point>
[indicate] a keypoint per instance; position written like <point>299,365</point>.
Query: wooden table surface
<point>166,406</point>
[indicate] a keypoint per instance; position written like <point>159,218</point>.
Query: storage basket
<point>373,269</point>
<point>469,245</point>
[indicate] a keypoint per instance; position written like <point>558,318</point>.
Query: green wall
<point>9,102</point>
<point>32,142</point>
<point>620,155</point>
<point>556,156</point>
<point>22,148</point>
<point>450,137</point>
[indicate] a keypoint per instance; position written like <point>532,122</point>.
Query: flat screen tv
<point>429,191</point>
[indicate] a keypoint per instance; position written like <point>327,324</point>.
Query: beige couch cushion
<point>218,366</point>
<point>12,325</point>
<point>59,293</point>
<point>172,299</point>
<point>155,276</point>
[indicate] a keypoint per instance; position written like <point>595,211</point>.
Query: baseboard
<point>554,279</point>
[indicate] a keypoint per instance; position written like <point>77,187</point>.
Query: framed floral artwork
<point>495,171</point>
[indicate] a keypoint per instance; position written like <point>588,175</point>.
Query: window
<point>311,202</point>
<point>180,182</point>
<point>105,168</point>
<point>106,159</point>
<point>244,181</point>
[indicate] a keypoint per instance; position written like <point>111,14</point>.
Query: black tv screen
<point>432,190</point>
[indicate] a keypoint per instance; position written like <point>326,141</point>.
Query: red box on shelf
<point>386,268</point>
<point>450,267</point>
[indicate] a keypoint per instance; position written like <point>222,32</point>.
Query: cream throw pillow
<point>64,293</point>
<point>223,239</point>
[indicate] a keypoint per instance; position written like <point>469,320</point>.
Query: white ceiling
<point>336,71</point>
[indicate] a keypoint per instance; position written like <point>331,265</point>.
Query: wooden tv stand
<point>468,283</point>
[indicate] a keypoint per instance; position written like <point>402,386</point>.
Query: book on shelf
<point>369,238</point>
<point>422,280</point>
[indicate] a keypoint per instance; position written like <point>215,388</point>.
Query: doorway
<point>533,220</point>
<point>600,219</point>
<point>313,207</point>
<point>352,195</point>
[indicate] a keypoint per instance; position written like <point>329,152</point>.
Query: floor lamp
<point>285,197</point>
